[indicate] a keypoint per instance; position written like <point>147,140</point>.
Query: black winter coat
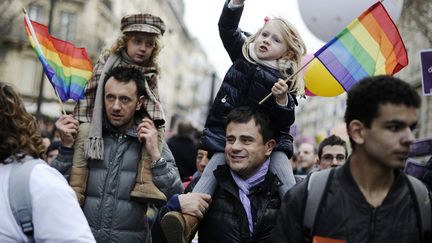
<point>226,220</point>
<point>245,83</point>
<point>346,215</point>
<point>184,151</point>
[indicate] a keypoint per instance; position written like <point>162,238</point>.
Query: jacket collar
<point>226,182</point>
<point>348,184</point>
<point>108,128</point>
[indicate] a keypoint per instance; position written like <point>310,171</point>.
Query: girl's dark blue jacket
<point>245,83</point>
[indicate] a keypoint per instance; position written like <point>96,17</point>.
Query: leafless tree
<point>10,10</point>
<point>418,17</point>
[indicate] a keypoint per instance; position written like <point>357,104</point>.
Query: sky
<point>201,17</point>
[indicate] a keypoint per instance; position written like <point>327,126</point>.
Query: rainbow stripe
<point>370,45</point>
<point>67,67</point>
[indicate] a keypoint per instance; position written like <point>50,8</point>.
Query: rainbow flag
<point>67,67</point>
<point>370,45</point>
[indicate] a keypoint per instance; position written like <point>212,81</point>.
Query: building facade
<point>186,75</point>
<point>86,23</point>
<point>415,28</point>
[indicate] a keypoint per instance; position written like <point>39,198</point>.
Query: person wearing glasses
<point>332,152</point>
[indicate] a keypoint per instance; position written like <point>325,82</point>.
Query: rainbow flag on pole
<point>67,67</point>
<point>370,45</point>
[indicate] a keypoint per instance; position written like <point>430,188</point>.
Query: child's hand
<point>67,126</point>
<point>238,2</point>
<point>280,91</point>
<point>147,134</point>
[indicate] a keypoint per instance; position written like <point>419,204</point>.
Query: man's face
<point>121,102</point>
<point>332,156</point>
<point>201,160</point>
<point>245,149</point>
<point>306,156</point>
<point>390,135</point>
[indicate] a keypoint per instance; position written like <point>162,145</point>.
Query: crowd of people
<point>110,176</point>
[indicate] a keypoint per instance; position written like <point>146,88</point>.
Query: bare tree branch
<point>11,10</point>
<point>420,17</point>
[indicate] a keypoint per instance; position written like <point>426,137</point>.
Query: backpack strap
<point>19,193</point>
<point>316,187</point>
<point>422,199</point>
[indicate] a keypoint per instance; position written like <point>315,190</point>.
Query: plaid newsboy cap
<point>142,23</point>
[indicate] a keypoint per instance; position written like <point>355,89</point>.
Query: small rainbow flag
<point>67,67</point>
<point>370,45</point>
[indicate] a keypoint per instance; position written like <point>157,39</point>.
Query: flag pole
<point>37,46</point>
<point>29,24</point>
<point>61,103</point>
<point>289,78</point>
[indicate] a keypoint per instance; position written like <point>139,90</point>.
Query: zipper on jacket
<point>372,225</point>
<point>109,168</point>
<point>223,100</point>
<point>259,217</point>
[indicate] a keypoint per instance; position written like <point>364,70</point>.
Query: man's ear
<point>317,160</point>
<point>140,102</point>
<point>270,145</point>
<point>356,131</point>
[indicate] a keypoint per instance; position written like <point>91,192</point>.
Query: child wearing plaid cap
<point>138,46</point>
<point>262,63</point>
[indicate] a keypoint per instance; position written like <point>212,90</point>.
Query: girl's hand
<point>238,2</point>
<point>280,91</point>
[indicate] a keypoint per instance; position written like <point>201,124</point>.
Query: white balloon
<point>326,18</point>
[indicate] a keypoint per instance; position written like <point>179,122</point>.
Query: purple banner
<point>426,70</point>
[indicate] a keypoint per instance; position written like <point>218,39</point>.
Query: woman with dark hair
<point>18,131</point>
<point>50,194</point>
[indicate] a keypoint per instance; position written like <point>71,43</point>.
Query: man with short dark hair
<point>368,199</point>
<point>246,200</point>
<point>332,152</point>
<point>112,215</point>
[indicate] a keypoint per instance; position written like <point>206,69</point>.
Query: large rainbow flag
<point>67,67</point>
<point>370,45</point>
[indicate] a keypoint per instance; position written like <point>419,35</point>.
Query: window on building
<point>31,76</point>
<point>178,83</point>
<point>36,12</point>
<point>107,3</point>
<point>67,26</point>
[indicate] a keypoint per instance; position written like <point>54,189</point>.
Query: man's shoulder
<point>223,175</point>
<point>299,187</point>
<point>299,178</point>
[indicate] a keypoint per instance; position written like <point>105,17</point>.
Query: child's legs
<point>145,157</point>
<point>79,159</point>
<point>281,166</point>
<point>145,190</point>
<point>145,161</point>
<point>207,182</point>
<point>79,172</point>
